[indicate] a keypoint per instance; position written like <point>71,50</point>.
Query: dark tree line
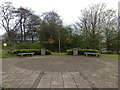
<point>95,29</point>
<point>20,23</point>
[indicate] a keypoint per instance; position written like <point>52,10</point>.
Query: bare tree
<point>33,25</point>
<point>8,20</point>
<point>92,24</point>
<point>23,14</point>
<point>110,26</point>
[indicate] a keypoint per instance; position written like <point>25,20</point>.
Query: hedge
<point>82,51</point>
<point>27,45</point>
<point>36,51</point>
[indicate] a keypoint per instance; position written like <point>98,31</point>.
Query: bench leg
<point>31,54</point>
<point>98,56</point>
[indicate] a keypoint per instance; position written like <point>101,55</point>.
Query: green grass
<point>113,56</point>
<point>5,54</point>
<point>54,53</point>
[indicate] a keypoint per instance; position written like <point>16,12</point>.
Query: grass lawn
<point>113,56</point>
<point>4,54</point>
<point>59,53</point>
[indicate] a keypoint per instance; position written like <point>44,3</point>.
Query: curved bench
<point>21,54</point>
<point>96,54</point>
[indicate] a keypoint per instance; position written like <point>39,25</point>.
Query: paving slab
<point>100,84</point>
<point>45,81</point>
<point>60,71</point>
<point>79,80</point>
<point>57,80</point>
<point>69,80</point>
<point>112,84</point>
<point>13,84</point>
<point>27,72</point>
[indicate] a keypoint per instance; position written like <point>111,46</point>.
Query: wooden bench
<point>21,54</point>
<point>96,54</point>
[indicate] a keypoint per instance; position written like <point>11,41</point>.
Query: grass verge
<point>113,56</point>
<point>5,54</point>
<point>54,53</point>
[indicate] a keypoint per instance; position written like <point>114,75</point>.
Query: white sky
<point>69,10</point>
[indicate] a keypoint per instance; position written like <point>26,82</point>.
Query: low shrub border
<point>82,51</point>
<point>36,51</point>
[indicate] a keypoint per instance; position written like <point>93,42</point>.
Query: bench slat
<point>26,54</point>
<point>87,53</point>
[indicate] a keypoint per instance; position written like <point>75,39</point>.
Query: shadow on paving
<point>62,63</point>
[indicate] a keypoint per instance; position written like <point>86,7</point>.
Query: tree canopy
<point>96,28</point>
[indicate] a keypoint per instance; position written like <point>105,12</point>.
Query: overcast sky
<point>69,10</point>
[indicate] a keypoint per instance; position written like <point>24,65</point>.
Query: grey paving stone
<point>112,84</point>
<point>93,78</point>
<point>87,73</point>
<point>57,85</point>
<point>12,77</point>
<point>37,72</point>
<point>57,77</point>
<point>11,71</point>
<point>34,75</point>
<point>43,85</point>
<point>37,80</point>
<point>20,71</point>
<point>66,74</point>
<point>25,86</point>
<point>28,81</point>
<point>100,84</point>
<point>82,83</point>
<point>45,81</point>
<point>16,74</point>
<point>48,74</point>
<point>5,76</point>
<point>23,77</point>
<point>70,85</point>
<point>107,72</point>
<point>111,79</point>
<point>18,80</point>
<point>79,79</point>
<point>57,81</point>
<point>27,72</point>
<point>68,80</point>
<point>6,83</point>
<point>8,80</point>
<point>14,84</point>
<point>84,86</point>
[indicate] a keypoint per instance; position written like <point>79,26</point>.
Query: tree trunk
<point>21,29</point>
<point>59,45</point>
<point>32,39</point>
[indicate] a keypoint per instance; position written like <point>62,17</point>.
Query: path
<point>17,73</point>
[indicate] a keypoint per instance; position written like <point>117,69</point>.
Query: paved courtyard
<point>59,71</point>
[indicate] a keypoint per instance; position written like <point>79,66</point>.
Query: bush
<point>70,52</point>
<point>48,52</point>
<point>36,51</point>
<point>27,45</point>
<point>107,52</point>
<point>82,51</point>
